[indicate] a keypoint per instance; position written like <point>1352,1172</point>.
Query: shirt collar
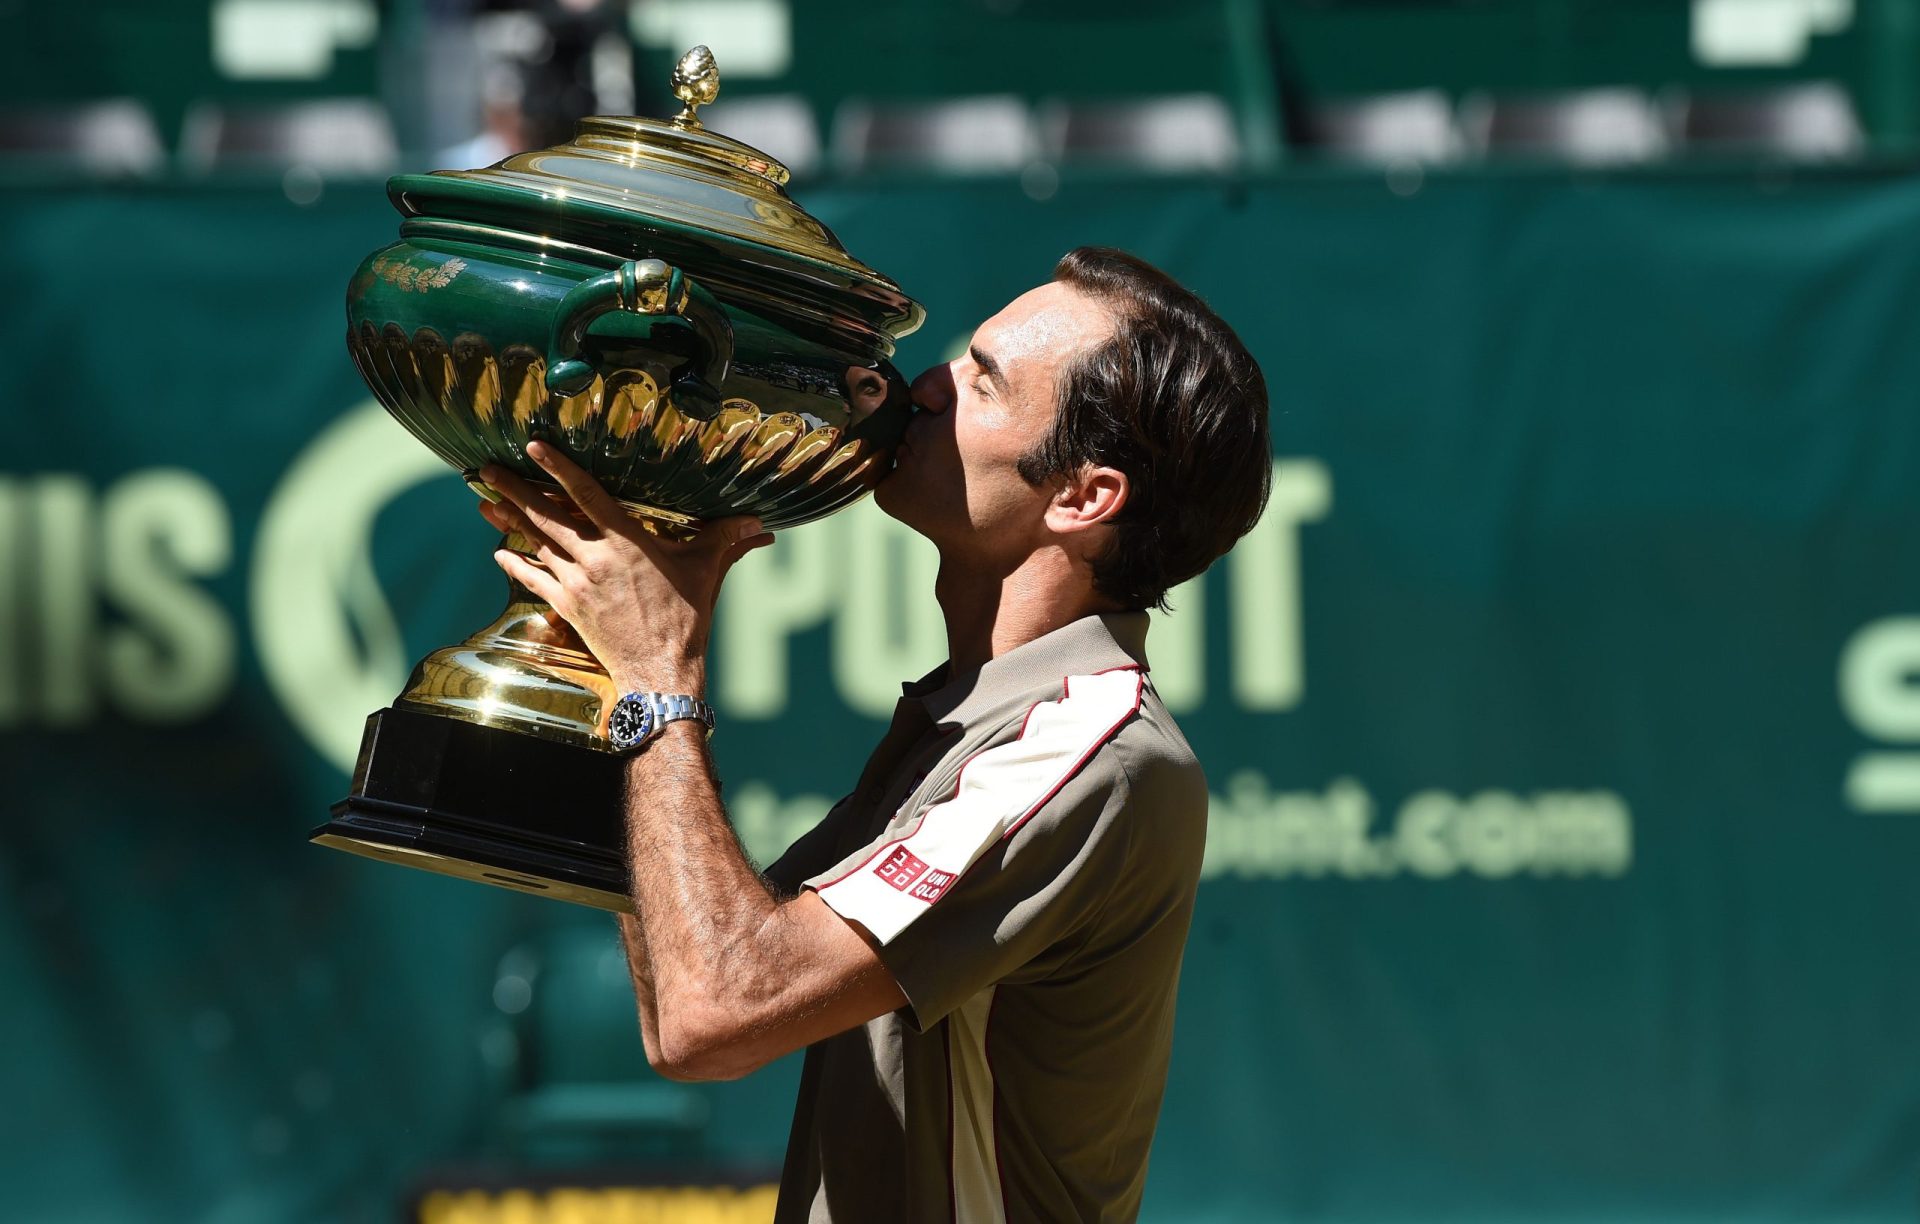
<point>1096,643</point>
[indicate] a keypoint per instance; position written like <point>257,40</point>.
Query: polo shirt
<point>1024,845</point>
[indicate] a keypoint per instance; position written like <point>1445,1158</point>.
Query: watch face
<point>629,723</point>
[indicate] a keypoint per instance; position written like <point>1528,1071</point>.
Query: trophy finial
<point>696,82</point>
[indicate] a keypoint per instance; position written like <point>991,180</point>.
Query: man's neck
<point>989,614</point>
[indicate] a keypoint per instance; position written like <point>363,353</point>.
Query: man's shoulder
<point>1150,747</point>
<point>1126,730</point>
<point>1145,768</point>
<point>1157,737</point>
<point>1156,798</point>
<point>1103,737</point>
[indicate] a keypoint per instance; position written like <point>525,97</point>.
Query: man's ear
<point>1091,496</point>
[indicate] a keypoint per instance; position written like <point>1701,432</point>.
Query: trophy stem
<point>528,671</point>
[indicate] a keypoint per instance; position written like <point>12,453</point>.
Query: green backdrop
<point>1563,717</point>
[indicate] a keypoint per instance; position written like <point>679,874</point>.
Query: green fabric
<point>1534,892</point>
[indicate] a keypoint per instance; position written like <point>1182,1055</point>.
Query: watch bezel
<point>638,709</point>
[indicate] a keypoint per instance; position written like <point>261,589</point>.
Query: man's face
<point>956,481</point>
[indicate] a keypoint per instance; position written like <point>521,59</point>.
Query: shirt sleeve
<point>976,887</point>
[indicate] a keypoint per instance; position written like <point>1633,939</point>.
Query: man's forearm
<point>703,910</point>
<point>640,969</point>
<point>734,976</point>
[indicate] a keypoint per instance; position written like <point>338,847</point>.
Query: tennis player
<point>978,947</point>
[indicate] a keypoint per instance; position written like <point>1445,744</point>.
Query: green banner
<point>1562,716</point>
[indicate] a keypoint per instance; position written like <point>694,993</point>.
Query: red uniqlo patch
<point>901,868</point>
<point>929,889</point>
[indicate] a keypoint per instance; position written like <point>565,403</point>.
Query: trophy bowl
<point>647,298</point>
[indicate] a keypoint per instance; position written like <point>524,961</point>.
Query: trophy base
<point>481,803</point>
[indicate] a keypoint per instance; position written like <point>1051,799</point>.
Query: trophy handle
<point>648,287</point>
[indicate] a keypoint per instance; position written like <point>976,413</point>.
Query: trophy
<point>648,299</point>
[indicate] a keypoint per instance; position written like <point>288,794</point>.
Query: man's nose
<point>933,390</point>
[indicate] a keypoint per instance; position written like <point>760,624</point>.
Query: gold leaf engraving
<point>410,279</point>
<point>443,275</point>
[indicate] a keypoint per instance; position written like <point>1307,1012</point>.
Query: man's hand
<point>643,605</point>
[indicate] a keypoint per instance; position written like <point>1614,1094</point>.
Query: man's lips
<point>901,450</point>
<point>905,447</point>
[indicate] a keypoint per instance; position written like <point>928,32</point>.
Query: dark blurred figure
<point>558,89</point>
<point>542,65</point>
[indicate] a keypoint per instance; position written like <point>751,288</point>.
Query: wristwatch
<point>638,717</point>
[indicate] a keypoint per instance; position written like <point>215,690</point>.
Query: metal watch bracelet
<point>637,718</point>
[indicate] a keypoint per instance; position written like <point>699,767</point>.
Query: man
<point>979,946</point>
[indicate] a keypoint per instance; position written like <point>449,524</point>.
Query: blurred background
<point>1562,716</point>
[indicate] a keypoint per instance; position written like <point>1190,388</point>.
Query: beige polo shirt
<point>1025,845</point>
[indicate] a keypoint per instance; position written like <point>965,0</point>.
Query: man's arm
<point>727,976</point>
<point>739,977</point>
<point>641,971</point>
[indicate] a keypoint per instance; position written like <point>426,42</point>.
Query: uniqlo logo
<point>929,889</point>
<point>901,869</point>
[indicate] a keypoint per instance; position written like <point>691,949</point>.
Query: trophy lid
<point>633,186</point>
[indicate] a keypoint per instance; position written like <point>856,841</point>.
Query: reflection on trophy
<point>647,298</point>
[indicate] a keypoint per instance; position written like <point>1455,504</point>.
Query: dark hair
<point>1173,400</point>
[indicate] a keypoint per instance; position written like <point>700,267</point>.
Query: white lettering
<point>1177,647</point>
<point>771,595</point>
<point>1494,833</point>
<point>1879,685</point>
<point>1263,588</point>
<point>1255,833</point>
<point>869,579</point>
<point>13,593</point>
<point>1421,835</point>
<point>1884,782</point>
<point>176,660</point>
<point>1880,679</point>
<point>1578,831</point>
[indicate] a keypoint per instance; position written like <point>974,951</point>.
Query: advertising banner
<point>1562,716</point>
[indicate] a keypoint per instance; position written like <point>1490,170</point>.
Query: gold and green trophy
<point>647,298</point>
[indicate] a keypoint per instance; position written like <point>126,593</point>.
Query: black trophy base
<point>499,807</point>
